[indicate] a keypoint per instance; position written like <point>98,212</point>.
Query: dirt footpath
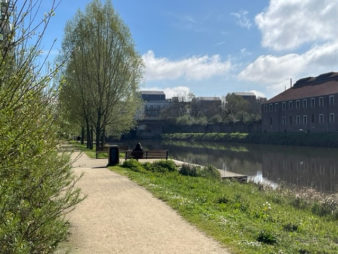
<point>119,216</point>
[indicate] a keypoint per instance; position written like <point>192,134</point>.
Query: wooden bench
<point>105,149</point>
<point>151,154</point>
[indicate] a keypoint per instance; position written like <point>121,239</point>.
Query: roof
<point>153,92</point>
<point>208,99</point>
<point>245,94</point>
<point>324,84</point>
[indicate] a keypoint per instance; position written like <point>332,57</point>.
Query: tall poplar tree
<point>102,72</point>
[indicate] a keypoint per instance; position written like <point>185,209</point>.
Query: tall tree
<point>102,72</point>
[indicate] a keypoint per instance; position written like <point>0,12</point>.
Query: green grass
<point>243,217</point>
<point>91,153</point>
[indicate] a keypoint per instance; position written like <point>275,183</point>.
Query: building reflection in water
<point>294,166</point>
<point>303,167</point>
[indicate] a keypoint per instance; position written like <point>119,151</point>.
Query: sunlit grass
<point>244,217</point>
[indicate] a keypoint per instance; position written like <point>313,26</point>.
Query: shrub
<point>210,172</point>
<point>133,165</point>
<point>164,166</point>
<point>266,237</point>
<point>36,181</point>
<point>161,166</point>
<point>190,170</point>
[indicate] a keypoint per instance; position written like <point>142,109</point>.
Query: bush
<point>190,170</point>
<point>36,181</point>
<point>210,172</point>
<point>133,165</point>
<point>163,166</point>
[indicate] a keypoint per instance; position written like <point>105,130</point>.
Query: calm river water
<point>308,167</point>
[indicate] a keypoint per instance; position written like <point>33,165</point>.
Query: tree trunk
<point>103,138</point>
<point>88,134</point>
<point>82,135</point>
<point>98,131</point>
<point>91,139</point>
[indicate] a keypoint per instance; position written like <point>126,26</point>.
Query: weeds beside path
<point>118,216</point>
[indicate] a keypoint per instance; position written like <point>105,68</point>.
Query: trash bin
<point>113,155</point>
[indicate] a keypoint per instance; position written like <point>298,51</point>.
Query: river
<point>300,167</point>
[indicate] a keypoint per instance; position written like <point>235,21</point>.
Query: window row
<point>298,104</point>
<point>303,120</point>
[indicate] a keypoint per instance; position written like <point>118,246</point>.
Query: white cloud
<point>242,19</point>
<point>179,91</point>
<point>275,70</point>
<point>288,24</point>
<point>193,68</point>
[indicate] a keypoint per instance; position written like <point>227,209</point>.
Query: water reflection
<point>295,166</point>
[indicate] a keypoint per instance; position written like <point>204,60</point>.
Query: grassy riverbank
<point>296,139</point>
<point>244,217</point>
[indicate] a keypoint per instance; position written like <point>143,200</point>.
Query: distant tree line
<point>232,109</point>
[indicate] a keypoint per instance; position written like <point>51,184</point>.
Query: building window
<point>321,118</point>
<point>312,118</point>
<point>270,120</point>
<point>321,102</point>
<point>266,107</point>
<point>331,99</point>
<point>298,120</point>
<point>276,107</point>
<point>290,104</point>
<point>284,105</point>
<point>271,107</point>
<point>332,118</point>
<point>290,120</point>
<point>297,104</point>
<point>304,103</point>
<point>313,102</point>
<point>283,120</point>
<point>305,119</point>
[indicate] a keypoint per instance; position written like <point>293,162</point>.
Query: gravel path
<point>119,216</point>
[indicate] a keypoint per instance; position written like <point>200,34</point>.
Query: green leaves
<point>36,183</point>
<point>102,72</point>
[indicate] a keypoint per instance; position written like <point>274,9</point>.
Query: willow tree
<point>102,73</point>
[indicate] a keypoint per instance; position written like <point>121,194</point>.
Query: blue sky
<point>211,48</point>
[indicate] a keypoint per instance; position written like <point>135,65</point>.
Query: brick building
<point>311,105</point>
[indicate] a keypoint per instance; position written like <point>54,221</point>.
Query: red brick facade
<point>311,105</point>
